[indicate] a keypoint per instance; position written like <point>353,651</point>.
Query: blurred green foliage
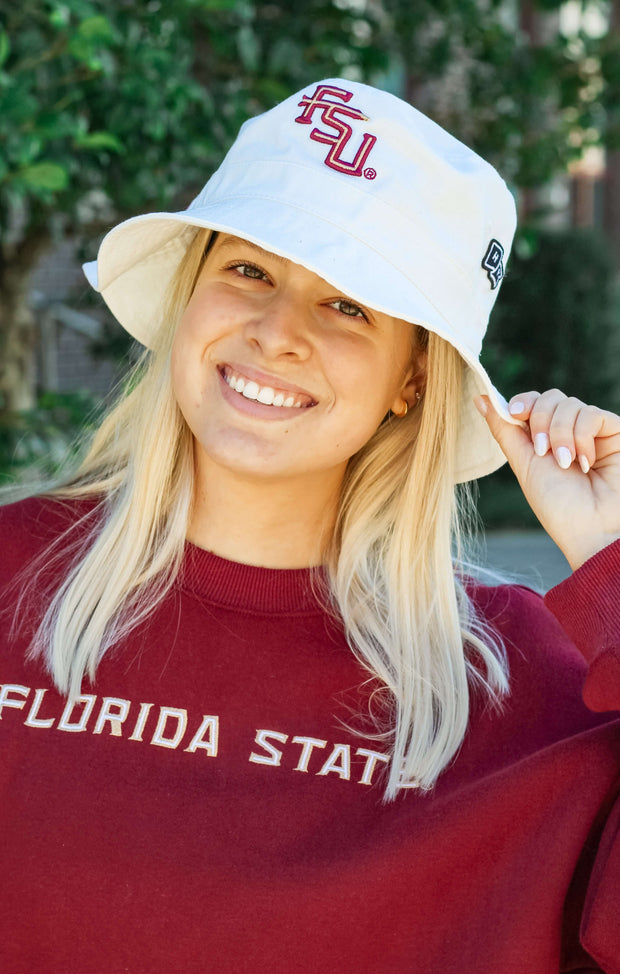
<point>555,323</point>
<point>528,104</point>
<point>36,444</point>
<point>139,101</point>
<point>132,105</point>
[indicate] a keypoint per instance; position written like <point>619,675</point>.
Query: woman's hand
<point>567,462</point>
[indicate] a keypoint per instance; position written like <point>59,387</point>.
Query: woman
<point>255,715</point>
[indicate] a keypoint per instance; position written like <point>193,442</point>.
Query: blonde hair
<point>390,564</point>
<point>406,612</point>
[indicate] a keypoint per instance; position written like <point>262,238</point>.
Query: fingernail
<point>541,444</point>
<point>584,463</point>
<point>563,457</point>
<point>481,405</point>
<point>515,408</point>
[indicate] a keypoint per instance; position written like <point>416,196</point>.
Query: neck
<point>273,524</point>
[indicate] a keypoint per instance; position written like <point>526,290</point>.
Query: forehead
<point>227,241</point>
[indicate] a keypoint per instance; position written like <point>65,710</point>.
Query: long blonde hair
<point>390,564</point>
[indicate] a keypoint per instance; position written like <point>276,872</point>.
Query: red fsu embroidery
<point>333,114</point>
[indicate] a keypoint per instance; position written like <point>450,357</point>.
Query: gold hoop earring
<point>403,411</point>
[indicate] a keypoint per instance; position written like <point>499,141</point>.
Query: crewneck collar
<point>250,587</point>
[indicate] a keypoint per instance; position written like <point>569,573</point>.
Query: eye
<point>246,269</point>
<point>348,308</point>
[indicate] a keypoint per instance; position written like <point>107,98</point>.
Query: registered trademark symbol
<point>370,173</point>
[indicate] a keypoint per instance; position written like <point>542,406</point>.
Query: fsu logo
<point>493,263</point>
<point>333,115</point>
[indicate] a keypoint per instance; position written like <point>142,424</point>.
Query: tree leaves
<point>5,46</point>
<point>99,140</point>
<point>140,101</point>
<point>43,175</point>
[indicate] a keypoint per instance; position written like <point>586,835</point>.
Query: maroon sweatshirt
<point>213,803</point>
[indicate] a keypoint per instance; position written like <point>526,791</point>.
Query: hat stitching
<point>319,216</point>
<point>184,218</point>
<point>353,187</point>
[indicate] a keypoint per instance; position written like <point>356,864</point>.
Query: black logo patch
<point>493,263</point>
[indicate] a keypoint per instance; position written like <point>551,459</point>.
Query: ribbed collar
<point>248,587</point>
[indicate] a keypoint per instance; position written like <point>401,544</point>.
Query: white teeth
<point>266,395</point>
<point>250,390</point>
<point>263,394</point>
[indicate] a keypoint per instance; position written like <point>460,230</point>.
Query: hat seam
<point>357,189</point>
<point>320,216</point>
<point>185,218</point>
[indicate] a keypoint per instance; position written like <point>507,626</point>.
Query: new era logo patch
<point>493,263</point>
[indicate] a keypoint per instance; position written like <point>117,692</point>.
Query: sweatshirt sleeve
<point>600,922</point>
<point>587,605</point>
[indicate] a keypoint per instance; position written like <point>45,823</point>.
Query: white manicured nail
<point>541,444</point>
<point>515,408</point>
<point>481,405</point>
<point>584,463</point>
<point>563,456</point>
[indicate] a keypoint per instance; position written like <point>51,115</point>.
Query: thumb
<point>514,440</point>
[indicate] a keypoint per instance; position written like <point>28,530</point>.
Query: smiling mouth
<point>267,395</point>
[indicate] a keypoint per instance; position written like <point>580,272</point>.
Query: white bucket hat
<point>361,188</point>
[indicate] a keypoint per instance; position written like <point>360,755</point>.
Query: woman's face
<point>277,373</point>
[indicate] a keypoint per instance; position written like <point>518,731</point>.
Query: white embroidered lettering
<point>309,743</point>
<point>338,762</point>
<point>372,757</point>
<point>113,711</point>
<point>145,709</point>
<point>274,756</point>
<point>165,714</point>
<point>210,727</point>
<point>404,783</point>
<point>171,728</point>
<point>6,701</point>
<point>32,720</point>
<point>87,700</point>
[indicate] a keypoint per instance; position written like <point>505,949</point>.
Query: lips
<point>269,395</point>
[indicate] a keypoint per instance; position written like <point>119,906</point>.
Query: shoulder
<point>520,616</point>
<point>33,526</point>
<point>547,671</point>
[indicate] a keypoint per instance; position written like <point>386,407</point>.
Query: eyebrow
<point>230,241</point>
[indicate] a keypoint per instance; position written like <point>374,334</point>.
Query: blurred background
<point>108,109</point>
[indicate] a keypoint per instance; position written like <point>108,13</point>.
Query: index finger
<point>521,405</point>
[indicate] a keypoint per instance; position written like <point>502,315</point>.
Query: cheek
<point>176,371</point>
<point>370,380</point>
<point>185,368</point>
<point>191,329</point>
<point>178,357</point>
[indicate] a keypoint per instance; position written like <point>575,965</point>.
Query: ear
<point>414,383</point>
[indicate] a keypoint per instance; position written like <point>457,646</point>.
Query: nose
<point>282,326</point>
